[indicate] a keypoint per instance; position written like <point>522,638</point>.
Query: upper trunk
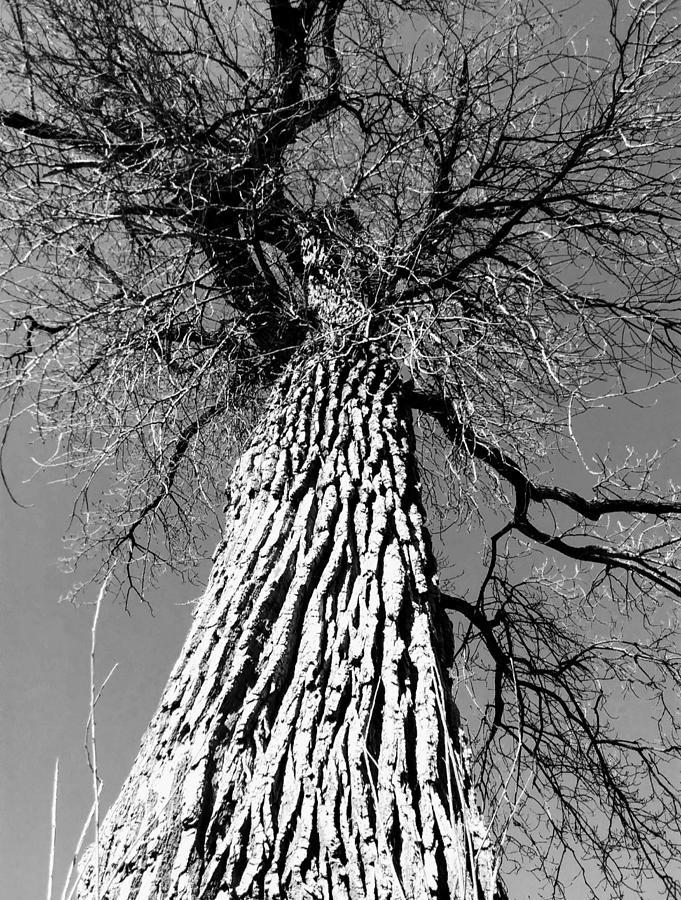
<point>306,744</point>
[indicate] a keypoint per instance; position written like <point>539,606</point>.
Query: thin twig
<point>93,736</point>
<point>66,894</point>
<point>89,718</point>
<point>53,829</point>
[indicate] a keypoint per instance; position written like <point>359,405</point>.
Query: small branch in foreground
<point>53,830</point>
<point>93,737</point>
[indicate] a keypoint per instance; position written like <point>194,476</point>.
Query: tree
<point>329,238</point>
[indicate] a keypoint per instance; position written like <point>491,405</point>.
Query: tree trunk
<point>306,745</point>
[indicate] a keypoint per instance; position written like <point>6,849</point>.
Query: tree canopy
<point>493,187</point>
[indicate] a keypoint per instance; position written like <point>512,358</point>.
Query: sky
<point>44,673</point>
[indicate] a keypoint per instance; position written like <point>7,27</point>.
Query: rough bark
<point>306,743</point>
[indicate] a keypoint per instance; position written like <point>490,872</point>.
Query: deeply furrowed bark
<point>306,744</point>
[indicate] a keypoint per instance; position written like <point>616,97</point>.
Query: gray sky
<point>44,672</point>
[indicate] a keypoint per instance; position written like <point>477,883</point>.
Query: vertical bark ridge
<point>305,745</point>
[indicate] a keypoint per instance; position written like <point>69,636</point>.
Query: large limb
<point>292,113</point>
<point>529,493</point>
